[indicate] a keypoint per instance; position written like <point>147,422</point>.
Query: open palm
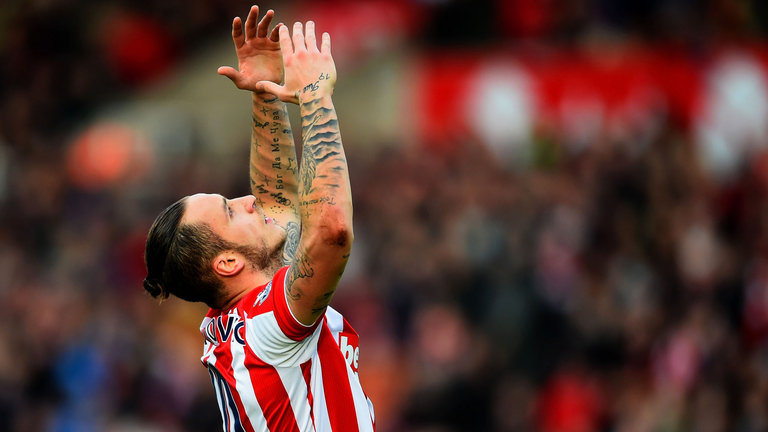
<point>258,51</point>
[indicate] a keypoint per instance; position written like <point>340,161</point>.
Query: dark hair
<point>178,258</point>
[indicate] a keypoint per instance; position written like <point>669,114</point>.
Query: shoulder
<point>269,303</point>
<point>262,299</point>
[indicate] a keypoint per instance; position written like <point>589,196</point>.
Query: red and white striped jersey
<point>272,373</point>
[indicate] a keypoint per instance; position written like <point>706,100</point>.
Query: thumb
<point>275,89</point>
<point>230,73</point>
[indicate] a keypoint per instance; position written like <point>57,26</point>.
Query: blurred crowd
<point>615,286</point>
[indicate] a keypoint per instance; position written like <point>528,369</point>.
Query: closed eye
<point>226,206</point>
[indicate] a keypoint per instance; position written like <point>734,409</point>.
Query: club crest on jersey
<point>223,328</point>
<point>263,295</point>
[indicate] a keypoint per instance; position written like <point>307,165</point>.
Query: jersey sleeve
<point>272,332</point>
<point>287,321</point>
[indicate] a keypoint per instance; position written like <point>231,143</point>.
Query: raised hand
<point>258,52</point>
<point>309,73</point>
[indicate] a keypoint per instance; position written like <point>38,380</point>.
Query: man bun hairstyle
<point>159,240</point>
<point>179,257</point>
<point>155,288</point>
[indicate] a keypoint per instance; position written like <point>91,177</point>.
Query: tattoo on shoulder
<point>292,234</point>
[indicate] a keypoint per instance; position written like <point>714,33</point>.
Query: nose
<point>247,202</point>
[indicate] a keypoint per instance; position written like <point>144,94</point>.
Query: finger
<point>263,27</point>
<point>310,39</point>
<point>250,23</point>
<point>325,48</point>
<point>285,42</point>
<point>237,32</point>
<point>298,37</point>
<point>275,89</point>
<point>275,35</point>
<point>230,73</point>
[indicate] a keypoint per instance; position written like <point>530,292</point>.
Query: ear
<point>228,263</point>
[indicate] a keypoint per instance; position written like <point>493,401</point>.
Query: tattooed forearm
<point>325,208</point>
<point>330,200</point>
<point>291,167</point>
<point>272,166</point>
<point>259,124</point>
<point>292,234</point>
<point>316,121</point>
<point>280,199</point>
<point>307,171</point>
<point>322,143</point>
<point>323,168</point>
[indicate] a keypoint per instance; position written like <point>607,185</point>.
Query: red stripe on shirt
<point>338,395</point>
<point>271,394</point>
<point>306,371</point>
<point>290,326</point>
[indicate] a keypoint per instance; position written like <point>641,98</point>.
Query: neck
<point>237,287</point>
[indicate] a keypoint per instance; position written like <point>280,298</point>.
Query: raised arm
<point>273,164</point>
<point>325,201</point>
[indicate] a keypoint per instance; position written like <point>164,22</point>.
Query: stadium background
<point>560,209</point>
